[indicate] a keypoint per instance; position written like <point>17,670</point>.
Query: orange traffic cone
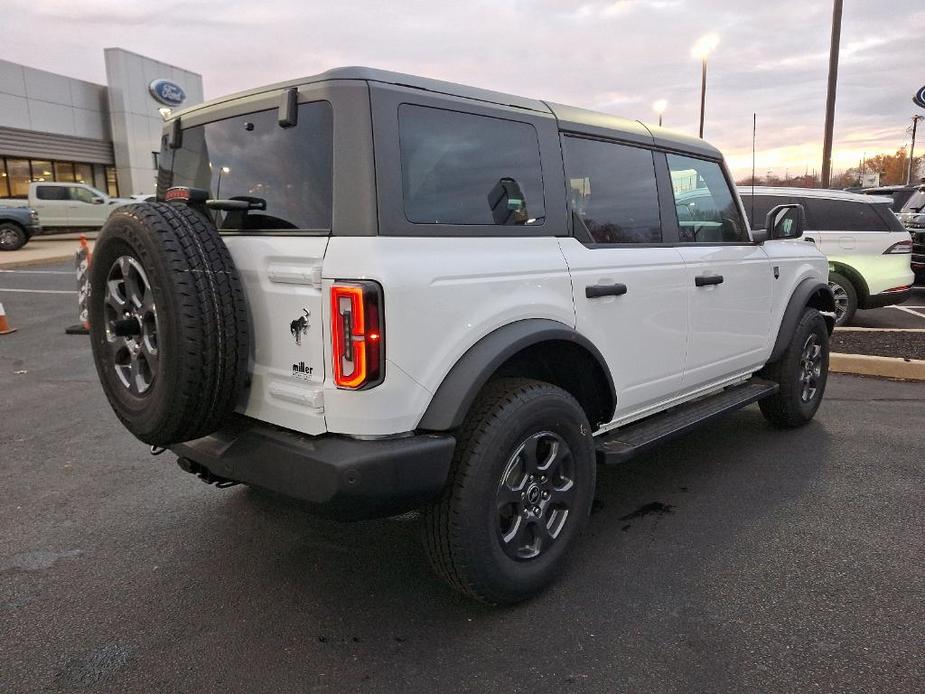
<point>5,328</point>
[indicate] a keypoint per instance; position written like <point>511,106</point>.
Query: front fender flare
<point>462,384</point>
<point>799,300</point>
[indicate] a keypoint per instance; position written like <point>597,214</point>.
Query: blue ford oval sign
<point>919,97</point>
<point>167,92</point>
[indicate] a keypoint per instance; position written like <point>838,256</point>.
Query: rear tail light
<point>899,247</point>
<point>357,334</point>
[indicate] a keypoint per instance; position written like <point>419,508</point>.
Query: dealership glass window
<point>112,184</point>
<point>19,174</point>
<point>707,210</point>
<point>42,170</point>
<point>83,173</point>
<point>64,172</point>
<point>4,180</point>
<point>612,192</point>
<point>461,168</point>
<point>287,171</point>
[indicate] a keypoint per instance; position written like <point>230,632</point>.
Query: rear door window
<point>842,215</point>
<point>706,208</point>
<point>462,168</point>
<point>612,192</point>
<point>250,157</point>
<point>52,193</point>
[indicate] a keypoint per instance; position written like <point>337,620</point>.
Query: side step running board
<point>631,440</point>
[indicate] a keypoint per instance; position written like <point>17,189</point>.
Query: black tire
<point>463,529</point>
<point>790,406</point>
<point>846,298</point>
<point>198,364</point>
<point>12,236</point>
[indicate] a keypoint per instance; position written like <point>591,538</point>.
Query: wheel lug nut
<point>536,510</point>
<point>545,495</point>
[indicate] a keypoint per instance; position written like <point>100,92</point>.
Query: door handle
<point>707,280</point>
<point>597,290</point>
<point>809,239</point>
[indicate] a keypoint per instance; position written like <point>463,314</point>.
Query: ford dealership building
<point>57,128</point>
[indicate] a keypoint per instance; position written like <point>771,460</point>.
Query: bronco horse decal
<point>300,326</point>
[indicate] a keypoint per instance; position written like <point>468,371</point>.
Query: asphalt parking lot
<point>739,558</point>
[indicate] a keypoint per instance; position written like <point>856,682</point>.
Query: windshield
<point>916,202</point>
<point>285,172</point>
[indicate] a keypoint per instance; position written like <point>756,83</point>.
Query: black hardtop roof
<point>570,118</point>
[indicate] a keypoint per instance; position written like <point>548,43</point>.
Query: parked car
<point>17,226</point>
<point>867,247</point>
<point>912,217</point>
<point>416,294</point>
<point>67,205</point>
<point>899,194</point>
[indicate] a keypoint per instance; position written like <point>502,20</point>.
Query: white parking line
<point>41,272</point>
<point>909,310</point>
<point>40,291</point>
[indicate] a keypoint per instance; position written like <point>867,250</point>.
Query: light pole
<point>915,127</point>
<point>705,45</point>
<point>830,96</point>
<point>659,106</point>
<point>218,187</point>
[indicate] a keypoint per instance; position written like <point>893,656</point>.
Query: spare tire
<point>168,322</point>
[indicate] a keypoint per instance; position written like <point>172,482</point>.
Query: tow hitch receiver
<point>204,474</point>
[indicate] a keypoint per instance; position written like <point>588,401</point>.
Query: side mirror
<point>785,222</point>
<point>98,201</point>
<point>507,202</point>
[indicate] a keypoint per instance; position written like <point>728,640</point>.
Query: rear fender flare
<point>462,384</point>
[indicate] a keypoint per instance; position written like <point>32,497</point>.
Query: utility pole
<point>915,125</point>
<point>830,96</point>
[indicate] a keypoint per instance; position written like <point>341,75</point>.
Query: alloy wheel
<point>130,315</point>
<point>535,495</point>
<point>810,368</point>
<point>8,239</point>
<point>841,301</point>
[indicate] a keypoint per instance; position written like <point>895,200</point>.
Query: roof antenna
<point>754,135</point>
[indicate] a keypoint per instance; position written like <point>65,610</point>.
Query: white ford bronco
<point>376,293</point>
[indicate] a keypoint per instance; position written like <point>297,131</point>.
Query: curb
<point>884,367</point>
<point>35,261</point>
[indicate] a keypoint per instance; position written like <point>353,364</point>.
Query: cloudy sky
<point>617,57</point>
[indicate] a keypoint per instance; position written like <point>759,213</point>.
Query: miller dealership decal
<point>301,371</point>
<point>167,92</point>
<point>300,326</point>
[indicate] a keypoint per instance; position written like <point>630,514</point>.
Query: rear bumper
<point>886,299</point>
<point>338,476</point>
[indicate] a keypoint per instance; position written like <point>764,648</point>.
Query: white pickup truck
<point>68,204</point>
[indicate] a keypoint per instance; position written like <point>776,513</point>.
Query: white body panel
<point>729,322</point>
<point>642,334</point>
<point>863,252</point>
<point>441,296</point>
<point>282,280</point>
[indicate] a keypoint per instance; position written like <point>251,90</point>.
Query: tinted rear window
<point>758,206</point>
<point>916,202</point>
<point>461,168</point>
<point>251,156</point>
<point>841,215</point>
